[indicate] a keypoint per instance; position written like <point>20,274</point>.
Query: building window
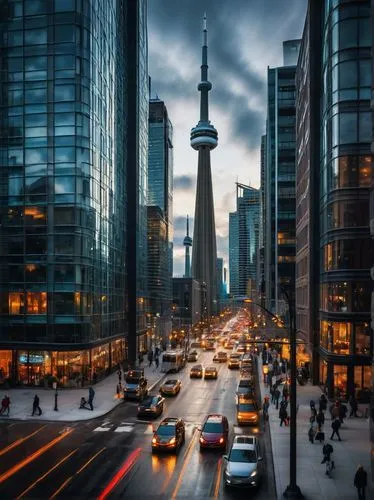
<point>347,254</point>
<point>362,339</point>
<point>340,380</point>
<point>36,302</point>
<point>362,381</point>
<point>16,303</point>
<point>336,336</point>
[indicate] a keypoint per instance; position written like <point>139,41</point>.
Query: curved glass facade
<point>63,174</point>
<point>345,176</point>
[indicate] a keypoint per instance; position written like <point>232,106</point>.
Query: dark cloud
<point>185,182</point>
<point>179,23</point>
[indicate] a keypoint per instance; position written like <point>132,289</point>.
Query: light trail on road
<point>185,463</point>
<point>20,441</point>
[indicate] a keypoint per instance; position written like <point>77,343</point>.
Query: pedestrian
<point>272,390</point>
<point>327,451</point>
<point>119,389</point>
<point>36,406</point>
<point>150,358</point>
<point>119,373</point>
<point>276,397</point>
<point>335,427</point>
<point>285,392</point>
<point>265,408</point>
<point>311,434</point>
<point>323,402</point>
<point>334,410</point>
<point>157,361</point>
<point>312,405</point>
<point>140,358</point>
<point>5,405</point>
<point>91,395</point>
<point>94,377</point>
<point>320,419</point>
<point>360,481</point>
<point>354,406</point>
<point>284,404</point>
<point>283,415</point>
<point>342,413</point>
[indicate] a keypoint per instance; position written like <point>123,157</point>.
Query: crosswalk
<point>143,426</point>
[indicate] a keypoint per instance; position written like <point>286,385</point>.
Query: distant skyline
<point>240,50</point>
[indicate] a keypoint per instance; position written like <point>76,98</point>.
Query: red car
<point>215,432</point>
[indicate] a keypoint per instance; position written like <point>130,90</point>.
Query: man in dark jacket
<point>283,415</point>
<point>91,395</point>
<point>360,481</point>
<point>36,405</point>
<point>320,418</point>
<point>335,427</point>
<point>276,397</point>
<point>354,406</point>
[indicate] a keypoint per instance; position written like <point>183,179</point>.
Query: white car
<point>243,464</point>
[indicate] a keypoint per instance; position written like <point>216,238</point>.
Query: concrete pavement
<point>354,449</point>
<point>69,399</point>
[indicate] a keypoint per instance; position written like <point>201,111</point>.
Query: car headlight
<point>154,440</point>
<point>254,473</point>
<point>172,440</point>
<point>202,440</point>
<point>227,473</point>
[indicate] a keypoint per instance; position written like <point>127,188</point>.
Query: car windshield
<point>166,430</point>
<point>213,427</point>
<point>238,455</point>
<point>197,367</point>
<point>132,380</point>
<point>170,382</point>
<point>247,407</point>
<point>245,383</point>
<point>149,401</point>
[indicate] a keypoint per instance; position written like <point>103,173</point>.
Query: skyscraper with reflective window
<point>279,235</point>
<point>244,241</point>
<point>63,177</point>
<point>160,215</point>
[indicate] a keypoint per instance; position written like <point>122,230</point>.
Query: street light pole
<point>292,490</point>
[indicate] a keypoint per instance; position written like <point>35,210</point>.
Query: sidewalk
<point>69,399</point>
<point>354,449</point>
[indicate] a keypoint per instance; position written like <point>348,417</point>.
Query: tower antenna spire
<point>187,226</point>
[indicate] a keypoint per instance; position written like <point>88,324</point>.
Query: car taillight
<point>154,440</point>
<point>221,440</point>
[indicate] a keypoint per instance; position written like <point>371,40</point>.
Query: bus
<point>173,361</point>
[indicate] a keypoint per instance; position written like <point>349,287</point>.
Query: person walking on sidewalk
<point>320,419</point>
<point>91,395</point>
<point>335,427</point>
<point>265,408</point>
<point>283,415</point>
<point>150,358</point>
<point>311,434</point>
<point>360,481</point>
<point>276,397</point>
<point>5,405</point>
<point>323,402</point>
<point>36,405</point>
<point>354,406</point>
<point>327,451</point>
<point>157,361</point>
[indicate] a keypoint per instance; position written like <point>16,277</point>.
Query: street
<point>111,456</point>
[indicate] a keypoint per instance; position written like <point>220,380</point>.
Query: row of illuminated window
<point>345,214</point>
<point>61,303</point>
<point>346,296</point>
<point>349,171</point>
<point>284,238</point>
<point>347,254</point>
<point>345,337</point>
<point>286,259</point>
<point>37,216</point>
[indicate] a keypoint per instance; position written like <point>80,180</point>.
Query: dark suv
<point>215,432</point>
<point>135,385</point>
<point>169,436</point>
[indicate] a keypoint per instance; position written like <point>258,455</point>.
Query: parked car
<point>243,464</point>
<point>169,436</point>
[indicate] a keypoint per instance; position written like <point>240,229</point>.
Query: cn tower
<point>204,137</point>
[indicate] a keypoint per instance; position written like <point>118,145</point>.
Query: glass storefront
<point>68,368</point>
<point>340,381</point>
<point>362,381</point>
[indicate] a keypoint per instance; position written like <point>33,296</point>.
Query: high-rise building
<point>279,235</point>
<point>136,50</point>
<point>187,242</point>
<point>63,175</point>
<point>204,137</point>
<point>261,236</point>
<point>244,241</point>
<point>371,420</point>
<point>160,216</point>
<point>220,290</point>
<point>335,159</point>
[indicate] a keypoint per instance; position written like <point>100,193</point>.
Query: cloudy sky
<point>244,38</point>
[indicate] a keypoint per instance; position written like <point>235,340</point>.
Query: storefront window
<point>323,372</point>
<point>30,366</point>
<point>340,381</point>
<point>36,302</point>
<point>100,360</point>
<point>5,365</point>
<point>117,351</point>
<point>346,296</point>
<point>362,381</point>
<point>336,336</point>
<point>362,339</point>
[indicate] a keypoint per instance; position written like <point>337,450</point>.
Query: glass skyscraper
<point>279,235</point>
<point>244,241</point>
<point>63,176</point>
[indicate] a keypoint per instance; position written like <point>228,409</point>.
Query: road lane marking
<point>46,474</point>
<point>149,430</point>
<point>70,478</point>
<point>102,429</point>
<point>120,474</point>
<point>125,428</point>
<point>218,478</point>
<point>6,475</point>
<point>20,441</point>
<point>185,463</point>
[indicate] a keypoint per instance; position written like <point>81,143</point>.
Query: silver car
<point>243,464</point>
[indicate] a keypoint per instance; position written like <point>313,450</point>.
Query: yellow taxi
<point>247,412</point>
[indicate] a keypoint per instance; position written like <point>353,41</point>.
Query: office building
<point>338,167</point>
<point>244,241</point>
<point>261,234</point>
<point>63,174</point>
<point>160,217</point>
<point>187,302</point>
<point>204,137</point>
<point>136,50</point>
<point>279,192</point>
